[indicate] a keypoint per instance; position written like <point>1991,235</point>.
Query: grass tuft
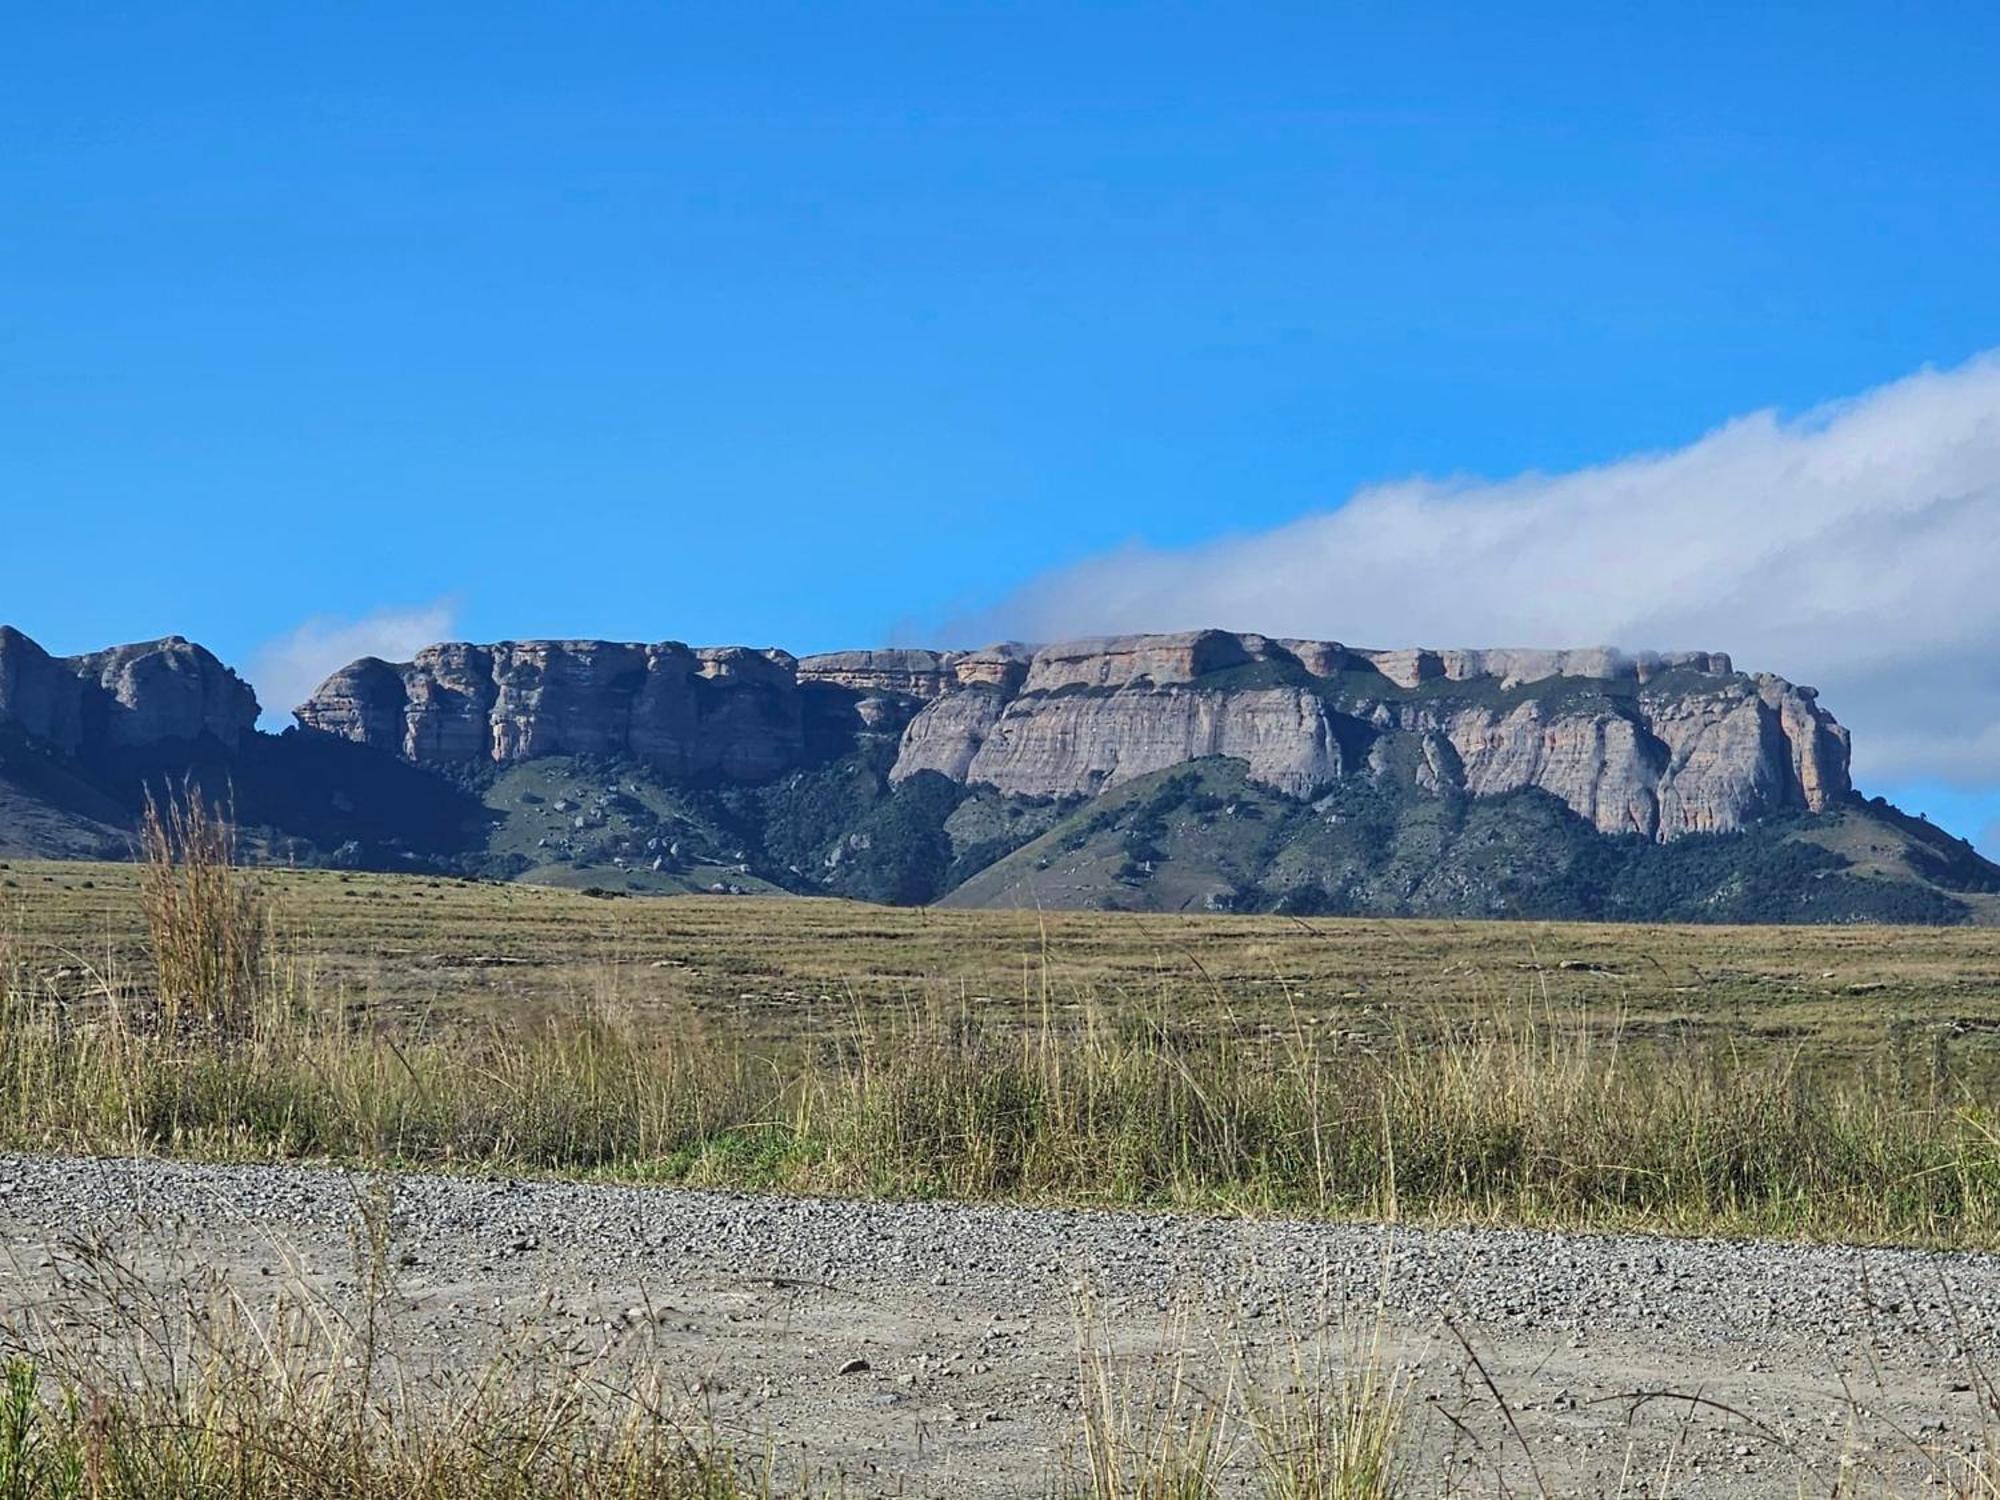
<point>206,917</point>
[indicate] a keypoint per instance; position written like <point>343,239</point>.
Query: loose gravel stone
<point>978,1310</point>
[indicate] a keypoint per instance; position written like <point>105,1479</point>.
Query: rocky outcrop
<point>948,736</point>
<point>165,690</point>
<point>1004,667</point>
<point>919,675</point>
<point>1082,743</point>
<point>731,712</point>
<point>727,711</point>
<point>1141,660</point>
<point>1655,765</point>
<point>1512,668</point>
<point>899,673</point>
<point>1654,745</point>
<point>126,698</point>
<point>39,695</point>
<point>1657,745</point>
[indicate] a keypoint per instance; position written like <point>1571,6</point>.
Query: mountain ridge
<point>1325,777</point>
<point>1080,717</point>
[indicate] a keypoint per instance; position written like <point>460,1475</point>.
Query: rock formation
<point>1057,744</point>
<point>922,675</point>
<point>125,698</point>
<point>1334,778</point>
<point>170,689</point>
<point>1655,745</point>
<point>39,695</point>
<point>895,673</point>
<point>1648,744</point>
<point>728,711</point>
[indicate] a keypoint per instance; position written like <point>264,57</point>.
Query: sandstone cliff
<point>1648,744</point>
<point>125,698</point>
<point>1655,745</point>
<point>728,711</point>
<point>919,674</point>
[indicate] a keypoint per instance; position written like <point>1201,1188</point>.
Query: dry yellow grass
<point>452,950</point>
<point>1689,1080</point>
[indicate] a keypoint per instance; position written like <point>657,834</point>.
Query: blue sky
<point>825,325</point>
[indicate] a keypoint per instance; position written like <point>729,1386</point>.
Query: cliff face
<point>38,694</point>
<point>1655,745</point>
<point>1083,743</point>
<point>727,711</point>
<point>171,689</point>
<point>923,675</point>
<point>124,698</point>
<point>1219,771</point>
<point>1706,757</point>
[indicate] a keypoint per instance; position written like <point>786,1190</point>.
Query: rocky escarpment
<point>1091,714</point>
<point>922,675</point>
<point>1655,745</point>
<point>1658,745</point>
<point>1043,745</point>
<point>1203,771</point>
<point>135,697</point>
<point>729,711</point>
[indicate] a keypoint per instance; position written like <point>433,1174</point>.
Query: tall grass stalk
<point>205,916</point>
<point>1153,1428</point>
<point>1148,1431</point>
<point>1333,1433</point>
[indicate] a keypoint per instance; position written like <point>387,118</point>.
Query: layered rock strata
<point>923,675</point>
<point>728,711</point>
<point>1655,745</point>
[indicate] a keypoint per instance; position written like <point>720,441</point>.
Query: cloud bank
<point>284,671</point>
<point>1856,548</point>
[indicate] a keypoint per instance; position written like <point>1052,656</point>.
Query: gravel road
<point>967,1320</point>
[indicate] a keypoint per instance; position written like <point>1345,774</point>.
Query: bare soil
<point>930,1349</point>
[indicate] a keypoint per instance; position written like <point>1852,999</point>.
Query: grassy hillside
<point>1204,837</point>
<point>47,810</point>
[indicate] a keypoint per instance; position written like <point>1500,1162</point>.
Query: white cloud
<point>1856,548</point>
<point>287,669</point>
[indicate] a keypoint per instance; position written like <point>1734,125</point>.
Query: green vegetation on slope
<point>1204,836</point>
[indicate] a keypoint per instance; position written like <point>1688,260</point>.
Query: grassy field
<point>1826,1082</point>
<point>452,951</point>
